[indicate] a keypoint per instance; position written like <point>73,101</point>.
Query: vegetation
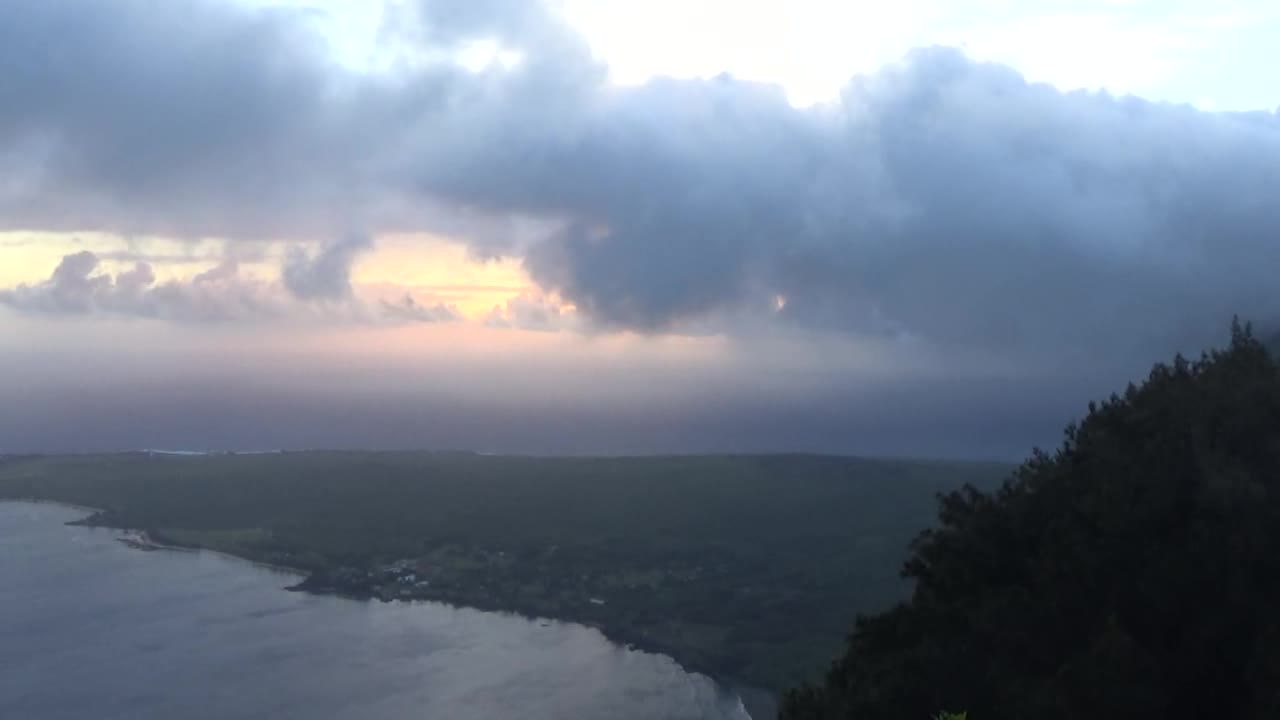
<point>1133,573</point>
<point>746,568</point>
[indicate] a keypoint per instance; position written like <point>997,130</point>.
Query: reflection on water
<point>90,628</point>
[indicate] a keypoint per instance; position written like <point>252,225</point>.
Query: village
<point>474,577</point>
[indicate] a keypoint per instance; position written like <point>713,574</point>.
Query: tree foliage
<point>1133,573</point>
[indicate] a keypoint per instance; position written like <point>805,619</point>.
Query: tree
<point>1133,573</point>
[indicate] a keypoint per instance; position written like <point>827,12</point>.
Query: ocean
<point>91,629</point>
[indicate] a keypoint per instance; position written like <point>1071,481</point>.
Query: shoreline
<point>43,501</point>
<point>148,543</point>
<point>748,695</point>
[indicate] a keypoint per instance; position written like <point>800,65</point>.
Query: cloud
<point>326,274</point>
<point>156,251</point>
<point>220,294</point>
<point>212,118</point>
<point>941,199</point>
<point>174,116</point>
<point>519,23</point>
<point>409,310</point>
<point>532,311</point>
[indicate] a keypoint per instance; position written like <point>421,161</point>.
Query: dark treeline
<point>1133,573</point>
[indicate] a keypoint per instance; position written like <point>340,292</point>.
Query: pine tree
<point>1132,573</point>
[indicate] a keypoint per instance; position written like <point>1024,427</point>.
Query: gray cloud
<point>76,287</point>
<point>193,117</point>
<point>220,294</point>
<point>515,23</point>
<point>409,310</point>
<point>530,311</point>
<point>149,251</point>
<point>939,199</point>
<point>325,274</point>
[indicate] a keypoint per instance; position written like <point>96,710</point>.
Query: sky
<point>931,228</point>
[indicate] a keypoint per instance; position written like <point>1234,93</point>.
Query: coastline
<point>757,703</point>
<point>43,501</point>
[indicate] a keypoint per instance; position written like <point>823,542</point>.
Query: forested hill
<point>749,568</point>
<point>1133,573</point>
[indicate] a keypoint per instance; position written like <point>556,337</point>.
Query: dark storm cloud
<point>942,200</point>
<point>197,118</point>
<point>939,198</point>
<point>671,191</point>
<point>188,117</point>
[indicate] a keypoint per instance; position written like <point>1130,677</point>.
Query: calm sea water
<point>92,629</point>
